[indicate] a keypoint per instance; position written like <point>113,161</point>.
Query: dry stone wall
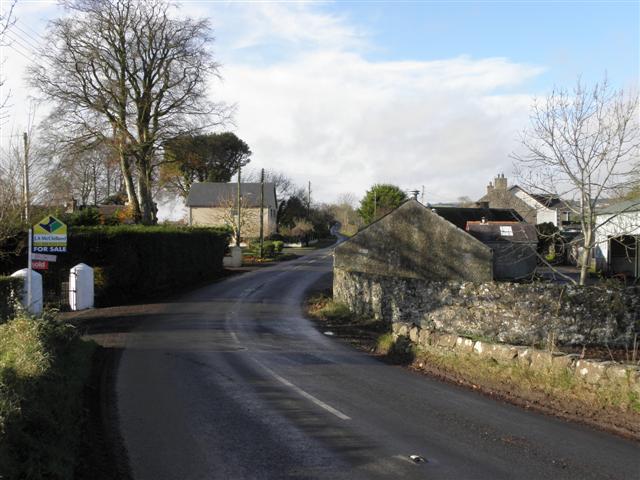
<point>522,314</point>
<point>592,372</point>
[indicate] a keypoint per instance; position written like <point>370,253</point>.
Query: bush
<point>132,262</point>
<point>268,249</point>
<point>278,245</point>
<point>43,369</point>
<point>9,291</point>
<point>89,216</point>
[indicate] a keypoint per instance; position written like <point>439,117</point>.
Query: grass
<point>322,307</point>
<point>43,369</point>
<point>385,344</point>
<point>553,386</point>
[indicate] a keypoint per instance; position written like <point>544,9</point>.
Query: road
<point>232,382</point>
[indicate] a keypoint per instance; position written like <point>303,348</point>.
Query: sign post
<point>29,271</point>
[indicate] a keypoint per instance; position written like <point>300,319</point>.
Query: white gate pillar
<point>36,290</point>
<point>81,287</point>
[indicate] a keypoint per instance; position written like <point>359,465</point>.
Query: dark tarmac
<point>232,382</point>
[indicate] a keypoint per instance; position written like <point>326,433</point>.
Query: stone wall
<point>593,372</point>
<point>523,314</point>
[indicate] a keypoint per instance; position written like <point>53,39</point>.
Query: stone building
<point>215,204</point>
<point>415,242</point>
<point>442,243</point>
<point>533,208</point>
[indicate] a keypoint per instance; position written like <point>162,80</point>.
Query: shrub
<point>89,216</point>
<point>9,291</point>
<point>132,262</point>
<point>268,249</point>
<point>43,369</point>
<point>278,245</point>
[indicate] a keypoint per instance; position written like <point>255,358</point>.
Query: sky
<point>420,94</point>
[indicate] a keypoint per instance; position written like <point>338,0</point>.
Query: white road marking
<point>235,337</point>
<point>306,395</point>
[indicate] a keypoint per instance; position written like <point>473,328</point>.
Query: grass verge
<point>615,408</point>
<point>44,366</point>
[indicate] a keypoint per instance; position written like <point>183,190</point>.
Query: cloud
<point>344,122</point>
<point>314,102</point>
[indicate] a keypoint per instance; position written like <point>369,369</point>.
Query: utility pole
<point>239,207</point>
<point>309,201</point>
<point>25,172</point>
<point>25,180</point>
<point>261,213</point>
<point>422,196</point>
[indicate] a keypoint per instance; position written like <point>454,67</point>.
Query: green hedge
<point>9,289</point>
<point>134,262</point>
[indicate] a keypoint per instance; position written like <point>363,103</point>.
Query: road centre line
<point>304,394</point>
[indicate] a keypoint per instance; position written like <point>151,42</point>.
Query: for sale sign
<point>49,236</point>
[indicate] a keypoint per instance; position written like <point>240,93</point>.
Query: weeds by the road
<point>43,369</point>
<point>614,407</point>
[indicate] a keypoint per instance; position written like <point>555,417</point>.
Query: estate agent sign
<point>49,236</point>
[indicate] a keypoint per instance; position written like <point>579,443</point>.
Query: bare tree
<point>228,209</point>
<point>582,146</point>
<point>127,69</point>
<point>6,21</point>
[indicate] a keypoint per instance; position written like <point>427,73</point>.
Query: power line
<point>18,41</point>
<point>37,39</point>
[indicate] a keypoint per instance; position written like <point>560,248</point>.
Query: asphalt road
<point>232,382</point>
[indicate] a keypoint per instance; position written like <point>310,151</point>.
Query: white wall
<point>613,226</point>
<point>543,214</point>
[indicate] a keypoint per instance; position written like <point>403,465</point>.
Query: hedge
<point>9,291</point>
<point>136,262</point>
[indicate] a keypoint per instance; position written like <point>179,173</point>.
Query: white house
<point>618,238</point>
<point>533,208</point>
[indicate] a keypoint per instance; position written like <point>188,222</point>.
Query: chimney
<point>489,188</point>
<point>501,182</point>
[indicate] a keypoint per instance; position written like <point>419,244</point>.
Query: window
<point>506,231</point>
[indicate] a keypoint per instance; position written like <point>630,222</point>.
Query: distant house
<point>618,239</point>
<point>432,243</point>
<point>215,204</point>
<point>533,208</point>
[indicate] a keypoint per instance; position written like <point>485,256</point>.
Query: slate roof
<point>460,216</point>
<point>214,194</point>
<point>514,232</point>
<point>549,201</point>
<point>621,207</point>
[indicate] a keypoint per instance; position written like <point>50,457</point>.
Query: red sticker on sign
<point>39,265</point>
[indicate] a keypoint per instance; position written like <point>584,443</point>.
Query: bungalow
<point>215,204</point>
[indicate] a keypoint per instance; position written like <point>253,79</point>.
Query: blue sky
<point>566,37</point>
<point>346,94</point>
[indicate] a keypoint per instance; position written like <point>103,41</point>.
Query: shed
<point>412,241</point>
<point>514,246</point>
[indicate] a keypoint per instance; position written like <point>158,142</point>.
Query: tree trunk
<point>585,257</point>
<point>147,206</point>
<point>130,187</point>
